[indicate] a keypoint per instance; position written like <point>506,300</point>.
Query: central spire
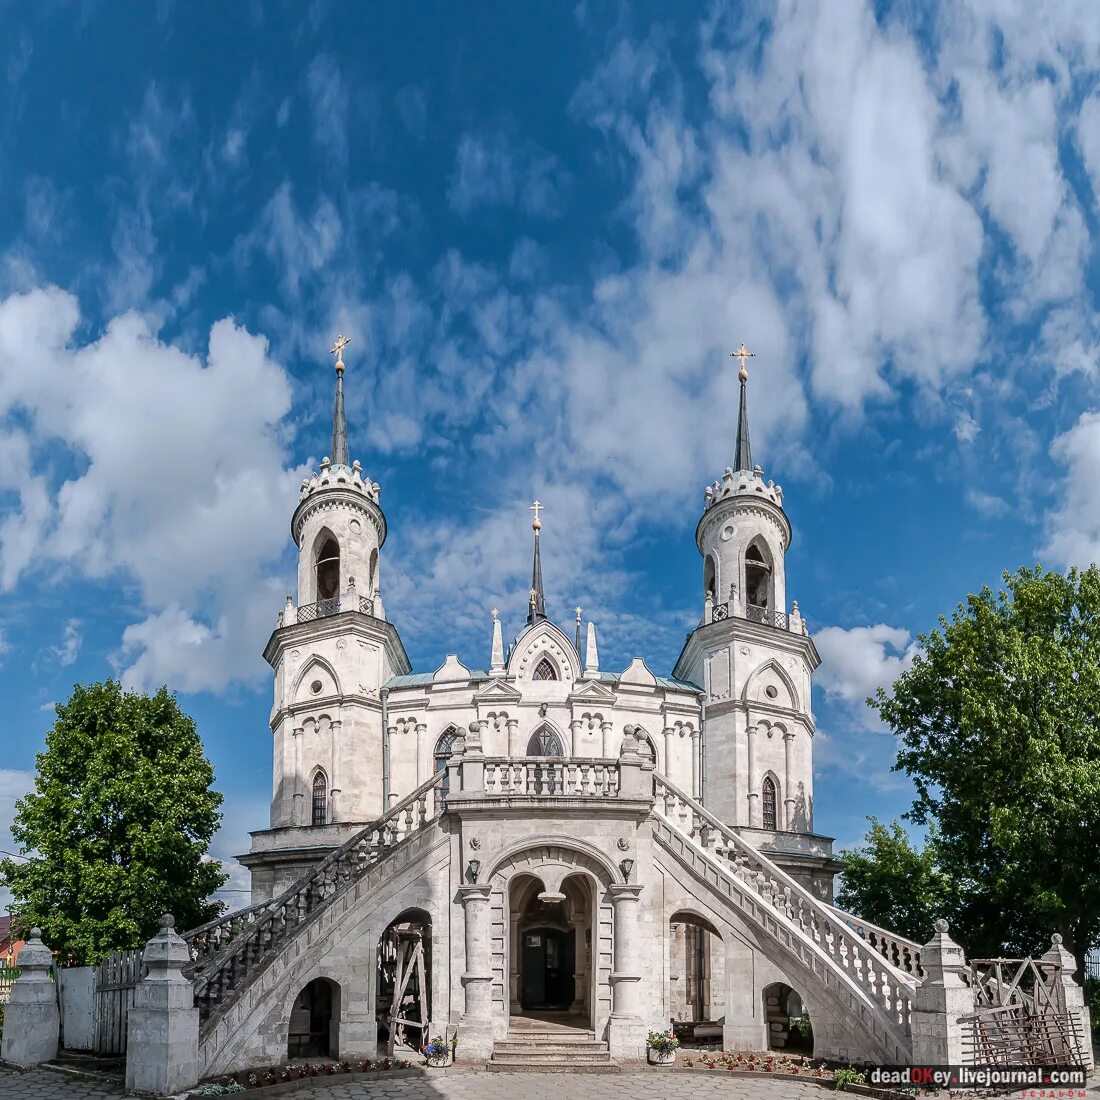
<point>743,451</point>
<point>537,607</point>
<point>339,422</point>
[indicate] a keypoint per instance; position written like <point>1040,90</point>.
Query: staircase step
<point>515,1036</point>
<point>553,1067</point>
<point>550,1057</point>
<point>577,1049</point>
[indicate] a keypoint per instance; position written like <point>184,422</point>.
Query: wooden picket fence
<point>117,977</point>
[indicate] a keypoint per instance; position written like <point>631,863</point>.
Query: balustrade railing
<point>754,614</point>
<point>225,950</point>
<point>540,777</point>
<point>899,952</point>
<point>323,608</point>
<point>882,982</point>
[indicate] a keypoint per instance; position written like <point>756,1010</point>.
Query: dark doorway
<point>546,968</point>
<point>311,1032</point>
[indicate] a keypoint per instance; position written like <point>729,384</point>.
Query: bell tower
<point>332,649</point>
<point>752,656</point>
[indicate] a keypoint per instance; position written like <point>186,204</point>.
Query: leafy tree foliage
<point>998,722</point>
<point>890,883</point>
<point>117,827</point>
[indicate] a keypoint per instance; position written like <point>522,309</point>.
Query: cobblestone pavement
<point>652,1085</point>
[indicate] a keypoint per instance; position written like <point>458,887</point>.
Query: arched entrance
<point>697,973</point>
<point>404,982</point>
<point>787,1019</point>
<point>315,1021</point>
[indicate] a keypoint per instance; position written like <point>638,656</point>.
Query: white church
<point>546,857</point>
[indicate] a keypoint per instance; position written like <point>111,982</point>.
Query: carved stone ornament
<point>475,843</point>
<point>744,651</point>
<point>623,844</point>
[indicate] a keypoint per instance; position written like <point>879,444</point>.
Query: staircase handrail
<point>907,951</point>
<point>851,955</point>
<point>254,912</point>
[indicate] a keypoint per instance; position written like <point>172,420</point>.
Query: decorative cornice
<point>340,495</point>
<point>744,505</point>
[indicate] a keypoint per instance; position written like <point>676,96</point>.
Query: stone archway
<point>565,890</point>
<point>314,1026</point>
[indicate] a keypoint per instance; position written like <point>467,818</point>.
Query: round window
<point>727,532</point>
<point>315,687</point>
<point>770,691</point>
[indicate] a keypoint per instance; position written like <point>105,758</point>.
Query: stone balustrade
<point>535,777</point>
<point>224,952</point>
<point>901,953</point>
<point>884,984</point>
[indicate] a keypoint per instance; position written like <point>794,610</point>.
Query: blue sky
<point>544,226</point>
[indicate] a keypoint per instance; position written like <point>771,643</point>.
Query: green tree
<point>117,827</point>
<point>890,883</point>
<point>998,722</point>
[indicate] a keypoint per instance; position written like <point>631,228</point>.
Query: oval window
<point>315,687</point>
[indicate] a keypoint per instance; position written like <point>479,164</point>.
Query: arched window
<point>545,742</point>
<point>373,572</point>
<point>328,570</point>
<point>769,807</point>
<point>545,670</point>
<point>709,588</point>
<point>320,799</point>
<point>443,749</point>
<point>757,577</point>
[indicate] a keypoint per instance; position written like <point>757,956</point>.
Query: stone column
<point>514,749</point>
<point>1074,994</point>
<point>670,741</point>
<point>708,607</point>
<point>473,761</point>
<point>32,1021</point>
<point>334,802</point>
<point>580,969</point>
<point>574,741</point>
<point>625,1031</point>
<point>754,794</point>
<point>938,1002</point>
<point>476,1036</point>
<point>421,737</point>
<point>162,1035</point>
<point>788,785</point>
<point>513,963</point>
<point>298,806</point>
<point>608,748</point>
<point>696,782</point>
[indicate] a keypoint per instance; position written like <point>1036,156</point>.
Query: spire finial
<point>339,422</point>
<point>577,644</point>
<point>337,349</point>
<point>742,450</point>
<point>743,355</point>
<point>537,607</point>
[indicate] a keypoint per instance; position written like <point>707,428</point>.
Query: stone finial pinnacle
<point>537,608</point>
<point>742,448</point>
<point>339,421</point>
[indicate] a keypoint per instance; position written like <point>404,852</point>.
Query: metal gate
<point>117,977</point>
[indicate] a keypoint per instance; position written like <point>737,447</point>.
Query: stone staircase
<point>230,953</point>
<point>551,1050</point>
<point>867,972</point>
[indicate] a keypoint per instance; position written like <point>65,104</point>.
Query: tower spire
<point>339,422</point>
<point>743,451</point>
<point>537,608</point>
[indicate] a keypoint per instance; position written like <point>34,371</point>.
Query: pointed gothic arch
<point>326,566</point>
<point>759,574</point>
<point>769,803</point>
<point>319,797</point>
<point>545,741</point>
<point>444,747</point>
<point>546,669</point>
<point>771,665</point>
<point>309,673</point>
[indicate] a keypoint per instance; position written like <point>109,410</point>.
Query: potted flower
<point>661,1047</point>
<point>438,1051</point>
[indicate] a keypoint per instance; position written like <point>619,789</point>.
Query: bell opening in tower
<point>757,578</point>
<point>328,570</point>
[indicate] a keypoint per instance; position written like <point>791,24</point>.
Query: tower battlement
<point>743,483</point>
<point>337,476</point>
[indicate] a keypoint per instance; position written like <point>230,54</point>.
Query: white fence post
<point>938,1002</point>
<point>162,1042</point>
<point>32,1020</point>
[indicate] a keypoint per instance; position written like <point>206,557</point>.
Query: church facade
<point>535,845</point>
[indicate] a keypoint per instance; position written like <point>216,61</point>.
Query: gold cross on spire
<point>743,355</point>
<point>337,349</point>
<point>536,508</point>
<point>578,610</point>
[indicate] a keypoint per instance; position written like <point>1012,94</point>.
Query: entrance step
<point>551,1052</point>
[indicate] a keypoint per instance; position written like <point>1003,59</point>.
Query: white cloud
<point>1073,526</point>
<point>180,484</point>
<point>14,784</point>
<point>856,662</point>
<point>329,101</point>
<point>71,641</point>
<point>491,170</point>
<point>987,504</point>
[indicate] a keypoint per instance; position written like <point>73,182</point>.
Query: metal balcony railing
<point>323,608</point>
<point>754,614</point>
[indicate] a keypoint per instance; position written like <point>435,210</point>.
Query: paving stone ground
<point>46,1085</point>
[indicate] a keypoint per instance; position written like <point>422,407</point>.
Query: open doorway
<point>788,1020</point>
<point>404,982</point>
<point>315,1021</point>
<point>697,978</point>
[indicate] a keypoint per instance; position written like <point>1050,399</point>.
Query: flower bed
<point>281,1075</point>
<point>774,1063</point>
